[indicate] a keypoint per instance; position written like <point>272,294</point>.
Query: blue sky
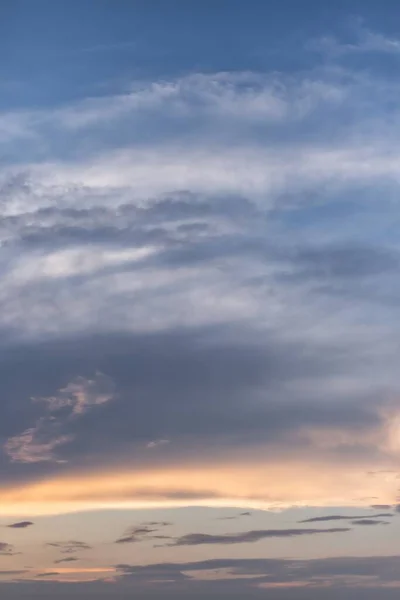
<point>199,257</point>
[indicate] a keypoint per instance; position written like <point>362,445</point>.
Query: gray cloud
<point>258,308</point>
<point>6,549</point>
<point>135,535</point>
<point>20,525</point>
<point>249,312</point>
<point>347,577</point>
<point>185,364</point>
<point>369,522</point>
<point>197,539</point>
<point>342,518</point>
<point>209,365</point>
<point>336,574</point>
<point>141,532</point>
<point>69,547</point>
<point>233,517</point>
<point>346,261</point>
<point>66,560</point>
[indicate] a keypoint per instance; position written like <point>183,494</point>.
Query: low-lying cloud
<point>197,539</point>
<point>20,525</point>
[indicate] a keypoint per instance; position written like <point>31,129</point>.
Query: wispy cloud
<point>39,443</point>
<point>142,532</point>
<point>197,539</point>
<point>157,443</point>
<point>6,549</point>
<point>68,559</point>
<point>342,518</point>
<point>365,41</point>
<point>69,547</point>
<point>369,522</point>
<point>26,447</point>
<point>237,516</point>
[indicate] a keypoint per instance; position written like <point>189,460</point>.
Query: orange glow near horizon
<point>263,486</point>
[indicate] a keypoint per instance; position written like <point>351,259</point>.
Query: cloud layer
<point>207,285</point>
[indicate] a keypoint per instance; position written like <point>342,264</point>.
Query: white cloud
<point>218,97</point>
<point>74,262</point>
<point>257,172</point>
<point>365,41</point>
<point>264,137</point>
<point>157,443</point>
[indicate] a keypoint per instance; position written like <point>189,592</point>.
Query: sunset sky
<point>199,299</point>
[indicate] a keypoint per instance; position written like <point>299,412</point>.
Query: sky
<point>199,299</point>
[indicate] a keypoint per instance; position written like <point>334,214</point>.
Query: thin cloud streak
<point>198,539</point>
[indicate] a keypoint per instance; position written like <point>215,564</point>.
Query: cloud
<point>6,549</point>
<point>201,99</point>
<point>66,560</point>
<point>351,577</point>
<point>233,517</point>
<point>242,575</point>
<point>342,518</point>
<point>27,448</point>
<point>221,251</point>
<point>37,444</point>
<point>157,443</point>
<point>196,539</point>
<point>20,525</point>
<point>136,534</point>
<point>262,486</point>
<point>141,532</point>
<point>365,41</point>
<point>223,260</point>
<point>369,522</point>
<point>69,547</point>
<point>79,396</point>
